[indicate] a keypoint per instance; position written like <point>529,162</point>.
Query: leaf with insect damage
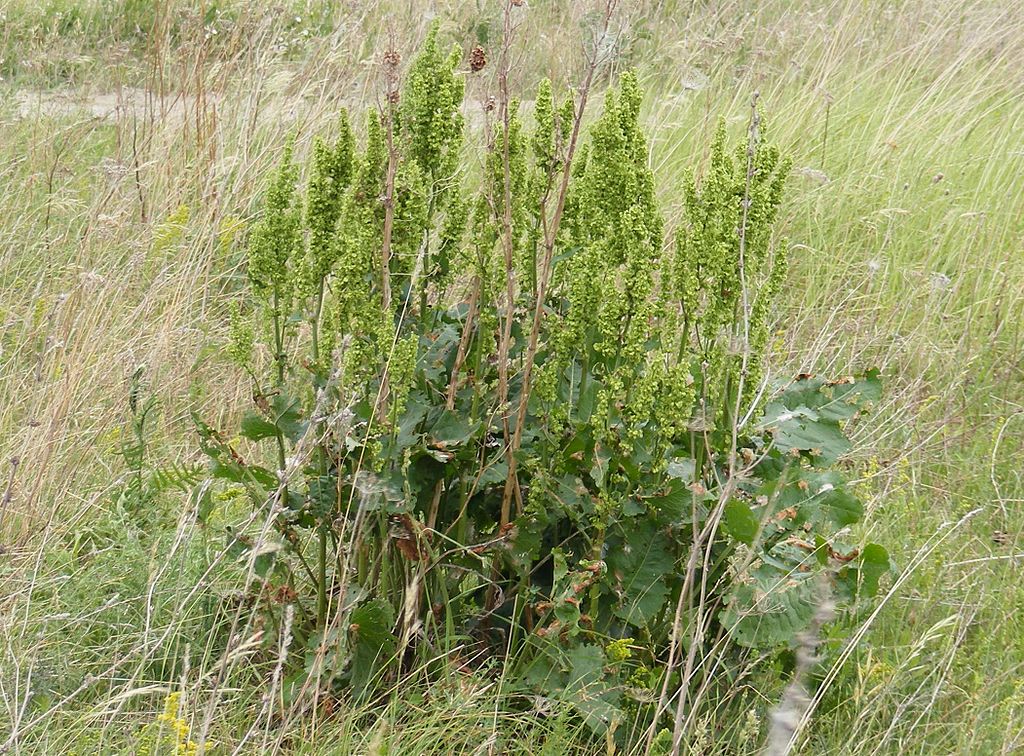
<point>862,575</point>
<point>805,432</point>
<point>820,498</point>
<point>770,607</point>
<point>806,417</point>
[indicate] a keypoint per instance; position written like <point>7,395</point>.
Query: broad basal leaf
<point>806,416</point>
<point>820,498</point>
<point>639,559</point>
<point>740,522</point>
<point>372,641</point>
<point>770,607</point>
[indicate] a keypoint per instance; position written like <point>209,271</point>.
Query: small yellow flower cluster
<point>168,735</point>
<point>618,650</point>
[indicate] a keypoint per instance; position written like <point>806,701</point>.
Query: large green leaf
<point>822,439</point>
<point>286,414</point>
<point>373,643</point>
<point>586,667</point>
<point>820,498</point>
<point>453,429</point>
<point>574,677</point>
<point>874,562</point>
<point>585,690</point>
<point>682,468</point>
<point>255,427</point>
<point>202,499</point>
<point>806,416</point>
<point>833,400</point>
<point>740,522</point>
<point>573,498</point>
<point>851,395</point>
<point>640,558</point>
<point>324,496</point>
<point>677,503</point>
<point>283,412</point>
<point>861,577</point>
<point>770,607</point>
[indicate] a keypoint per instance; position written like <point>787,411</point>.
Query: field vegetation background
<point>135,141</point>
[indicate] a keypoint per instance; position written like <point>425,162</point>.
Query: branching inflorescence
<point>549,405</point>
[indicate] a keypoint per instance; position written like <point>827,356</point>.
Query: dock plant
<point>512,420</point>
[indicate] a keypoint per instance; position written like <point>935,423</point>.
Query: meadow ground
<point>135,138</point>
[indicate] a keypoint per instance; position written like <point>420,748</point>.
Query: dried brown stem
<point>391,60</point>
<point>464,341</point>
<point>504,343</point>
<point>550,236</point>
